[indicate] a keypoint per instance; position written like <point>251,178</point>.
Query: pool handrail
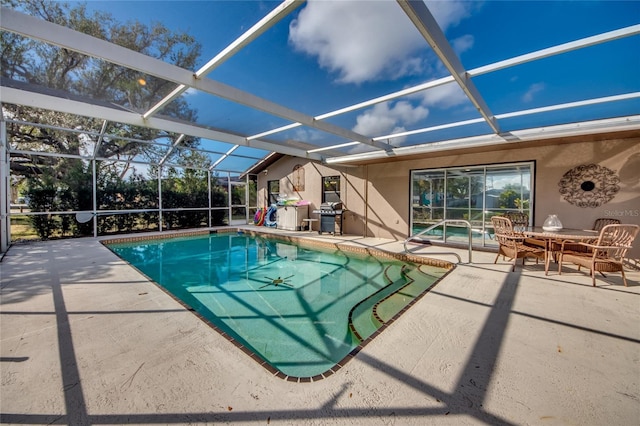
<point>442,222</point>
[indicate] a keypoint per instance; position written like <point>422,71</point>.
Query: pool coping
<point>302,242</point>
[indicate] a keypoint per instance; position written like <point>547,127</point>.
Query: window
<point>330,189</point>
<point>473,194</point>
<point>273,188</point>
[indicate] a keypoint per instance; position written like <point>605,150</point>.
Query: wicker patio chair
<point>512,244</point>
<point>607,254</point>
<point>598,224</point>
<point>520,220</point>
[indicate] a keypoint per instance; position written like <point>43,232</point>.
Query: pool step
<point>405,284</point>
<point>362,322</point>
<point>418,281</point>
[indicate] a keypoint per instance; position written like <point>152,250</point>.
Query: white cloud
<point>373,40</point>
<point>450,13</point>
<point>365,41</point>
<point>533,90</point>
<point>462,44</point>
<point>446,96</point>
<point>303,134</point>
<point>383,119</point>
<point>390,117</point>
<point>397,140</point>
<point>359,41</point>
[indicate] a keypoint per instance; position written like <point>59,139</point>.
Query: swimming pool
<point>302,308</point>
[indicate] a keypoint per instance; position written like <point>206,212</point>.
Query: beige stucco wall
<point>283,171</point>
<point>377,195</point>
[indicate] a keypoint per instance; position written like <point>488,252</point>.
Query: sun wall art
<point>589,185</point>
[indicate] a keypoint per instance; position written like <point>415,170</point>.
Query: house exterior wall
<point>283,171</point>
<point>377,195</point>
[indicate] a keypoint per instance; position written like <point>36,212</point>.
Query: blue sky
<point>331,54</point>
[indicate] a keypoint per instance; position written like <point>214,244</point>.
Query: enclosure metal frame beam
<point>76,41</point>
<point>103,129</point>
<point>253,33</point>
<point>510,62</point>
<point>89,158</point>
<point>557,50</point>
<point>224,156</point>
<point>116,137</point>
<point>537,134</point>
<point>426,24</point>
<point>615,98</point>
<point>518,60</point>
<point>53,103</point>
<point>171,149</point>
<point>370,102</point>
<point>62,36</point>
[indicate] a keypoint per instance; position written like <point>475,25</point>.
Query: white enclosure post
<point>5,190</point>
<point>94,195</point>
<point>209,196</point>
<point>160,198</point>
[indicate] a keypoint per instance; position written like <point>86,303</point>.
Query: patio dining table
<point>551,237</point>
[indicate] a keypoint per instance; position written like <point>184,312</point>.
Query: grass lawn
<point>21,228</point>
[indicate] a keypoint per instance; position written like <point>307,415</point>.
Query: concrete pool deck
<point>86,339</point>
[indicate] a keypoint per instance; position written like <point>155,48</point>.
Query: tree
<point>42,197</point>
<point>188,186</point>
<point>26,61</point>
<point>510,197</point>
<point>66,180</point>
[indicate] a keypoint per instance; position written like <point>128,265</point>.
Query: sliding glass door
<point>473,194</point>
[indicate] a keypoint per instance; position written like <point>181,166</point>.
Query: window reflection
<point>473,194</point>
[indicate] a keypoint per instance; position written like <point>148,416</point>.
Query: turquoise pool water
<point>289,304</point>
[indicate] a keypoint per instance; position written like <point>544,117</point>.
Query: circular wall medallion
<point>589,185</point>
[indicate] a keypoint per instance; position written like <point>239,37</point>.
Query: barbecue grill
<point>330,217</point>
